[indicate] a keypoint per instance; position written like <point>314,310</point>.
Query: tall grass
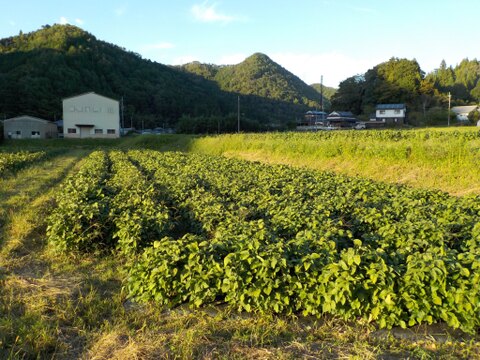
<point>445,159</point>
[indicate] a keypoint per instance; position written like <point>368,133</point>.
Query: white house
<point>391,113</point>
<point>28,127</point>
<point>462,111</point>
<point>91,116</point>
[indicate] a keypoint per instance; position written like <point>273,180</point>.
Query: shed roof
<point>346,114</point>
<point>87,93</point>
<point>315,112</point>
<point>29,118</point>
<point>390,106</point>
<point>464,109</point>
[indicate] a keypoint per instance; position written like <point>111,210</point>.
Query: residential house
<point>391,113</point>
<point>341,119</point>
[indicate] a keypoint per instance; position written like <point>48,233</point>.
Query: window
<point>98,131</point>
<point>382,112</point>
<point>397,111</point>
<point>35,133</point>
<point>72,131</point>
<point>18,132</point>
<point>111,131</point>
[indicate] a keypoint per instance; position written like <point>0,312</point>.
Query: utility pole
<point>238,113</point>
<point>121,115</point>
<point>321,94</point>
<point>449,100</point>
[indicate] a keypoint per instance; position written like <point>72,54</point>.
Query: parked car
<point>360,126</point>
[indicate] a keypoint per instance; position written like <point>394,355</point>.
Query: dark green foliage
<point>136,208</point>
<point>350,95</point>
<point>402,81</point>
<point>284,240</point>
<point>258,75</point>
<point>10,162</point>
<point>39,69</point>
<point>217,125</point>
<point>328,93</point>
<point>80,222</point>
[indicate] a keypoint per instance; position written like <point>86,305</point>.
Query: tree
<point>427,95</point>
<point>445,77</point>
<point>349,96</point>
<point>475,92</point>
<point>474,116</point>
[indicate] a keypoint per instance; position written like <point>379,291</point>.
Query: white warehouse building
<point>91,115</point>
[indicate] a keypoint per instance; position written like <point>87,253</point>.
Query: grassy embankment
<point>56,306</point>
<point>445,159</point>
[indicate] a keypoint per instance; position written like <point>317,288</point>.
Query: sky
<point>335,39</point>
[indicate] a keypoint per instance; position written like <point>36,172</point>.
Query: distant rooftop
<point>464,109</point>
<point>390,106</point>
<point>314,112</point>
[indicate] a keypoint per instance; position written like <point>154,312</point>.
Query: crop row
<point>278,239</point>
<point>15,161</point>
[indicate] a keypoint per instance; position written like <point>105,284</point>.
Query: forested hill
<point>328,93</point>
<point>38,69</point>
<point>260,76</point>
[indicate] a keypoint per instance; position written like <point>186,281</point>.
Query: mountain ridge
<point>40,68</point>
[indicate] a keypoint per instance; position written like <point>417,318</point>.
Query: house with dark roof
<point>391,113</point>
<point>341,119</point>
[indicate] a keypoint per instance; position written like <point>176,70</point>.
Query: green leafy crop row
<point>279,239</point>
<point>17,160</point>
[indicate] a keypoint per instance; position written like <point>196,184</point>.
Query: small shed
<point>29,127</point>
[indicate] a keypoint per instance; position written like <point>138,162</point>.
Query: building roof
<point>464,109</point>
<point>390,106</point>
<point>87,93</point>
<point>314,112</point>
<point>345,114</point>
<point>30,118</point>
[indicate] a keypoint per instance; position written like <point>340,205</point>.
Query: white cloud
<point>185,59</point>
<point>206,12</point>
<point>79,21</point>
<point>121,10</point>
<point>335,67</point>
<point>63,20</point>
<point>158,46</point>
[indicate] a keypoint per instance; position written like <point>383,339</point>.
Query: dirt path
<point>28,289</point>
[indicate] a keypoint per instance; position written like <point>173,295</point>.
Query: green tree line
<point>403,81</point>
<point>39,69</point>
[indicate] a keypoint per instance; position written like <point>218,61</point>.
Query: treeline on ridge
<point>403,81</point>
<point>39,69</point>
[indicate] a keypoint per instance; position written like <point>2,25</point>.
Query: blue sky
<point>333,38</point>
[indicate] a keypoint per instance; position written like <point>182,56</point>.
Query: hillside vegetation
<point>403,81</point>
<point>261,76</point>
<point>38,69</point>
